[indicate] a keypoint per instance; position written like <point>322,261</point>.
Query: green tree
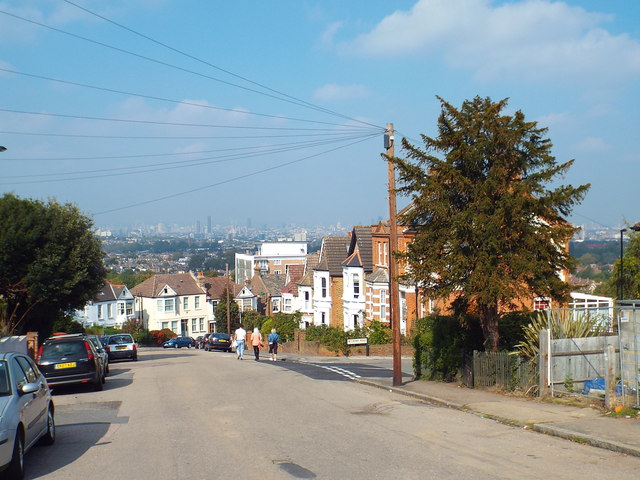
<point>631,270</point>
<point>50,262</point>
<point>488,229</point>
<point>221,313</point>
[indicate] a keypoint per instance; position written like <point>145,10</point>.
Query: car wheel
<point>188,346</point>
<point>135,358</point>
<point>16,467</point>
<point>107,370</point>
<point>97,386</point>
<point>175,346</point>
<point>50,436</point>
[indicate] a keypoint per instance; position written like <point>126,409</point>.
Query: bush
<point>440,342</point>
<point>379,334</point>
<point>133,326</point>
<point>335,339</point>
<point>161,336</point>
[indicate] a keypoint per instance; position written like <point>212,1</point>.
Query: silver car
<point>26,412</point>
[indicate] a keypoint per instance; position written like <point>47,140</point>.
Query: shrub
<point>440,342</point>
<point>161,336</point>
<point>335,339</point>
<point>133,325</point>
<point>379,334</point>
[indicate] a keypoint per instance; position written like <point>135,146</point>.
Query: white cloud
<point>593,145</point>
<point>329,33</point>
<point>332,91</point>
<point>530,39</point>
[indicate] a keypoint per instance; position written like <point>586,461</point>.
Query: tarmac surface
<point>581,424</point>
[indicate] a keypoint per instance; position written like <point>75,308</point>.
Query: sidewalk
<point>580,424</point>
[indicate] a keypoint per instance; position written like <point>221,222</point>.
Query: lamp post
<point>635,228</point>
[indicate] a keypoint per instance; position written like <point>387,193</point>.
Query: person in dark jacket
<point>273,340</point>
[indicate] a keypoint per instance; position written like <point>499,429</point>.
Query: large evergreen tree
<point>488,229</point>
<point>50,262</point>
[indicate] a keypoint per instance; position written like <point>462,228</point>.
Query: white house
<point>173,301</point>
<point>111,307</point>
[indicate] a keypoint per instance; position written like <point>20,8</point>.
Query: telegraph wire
<point>239,177</point>
<point>173,49</point>
<point>174,124</point>
<point>165,165</point>
<point>165,137</point>
<point>160,62</point>
<point>162,99</point>
<point>170,154</point>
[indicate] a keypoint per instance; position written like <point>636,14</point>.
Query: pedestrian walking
<point>273,340</point>
<point>256,341</point>
<point>239,337</point>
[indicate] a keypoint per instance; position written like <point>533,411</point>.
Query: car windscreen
<point>224,336</point>
<point>4,378</point>
<point>119,339</point>
<point>57,350</point>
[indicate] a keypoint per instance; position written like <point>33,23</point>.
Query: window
<point>129,307</point>
<point>355,321</point>
<point>120,308</point>
<point>322,318</point>
<point>277,272</point>
<point>541,304</point>
<point>168,305</point>
<point>201,320</point>
<point>100,312</point>
<point>165,325</point>
<point>324,287</point>
<point>277,262</point>
<point>194,324</point>
<point>19,377</point>
<point>383,305</point>
<point>110,310</point>
<point>160,306</point>
<point>185,303</point>
<point>356,286</point>
<point>29,369</point>
<point>276,304</point>
<point>286,303</point>
<point>197,302</point>
<point>174,326</point>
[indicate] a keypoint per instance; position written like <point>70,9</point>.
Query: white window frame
<point>185,303</point>
<point>196,302</point>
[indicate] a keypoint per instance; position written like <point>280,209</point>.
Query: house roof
<point>108,293</point>
<point>294,273</point>
<point>270,284</point>
<point>379,276</point>
<point>361,241</point>
<point>216,286</point>
<point>353,260</point>
<point>181,283</point>
<point>310,265</point>
<point>334,251</point>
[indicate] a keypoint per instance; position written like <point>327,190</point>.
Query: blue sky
<point>274,110</point>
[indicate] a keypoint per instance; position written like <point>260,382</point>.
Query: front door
<point>184,327</point>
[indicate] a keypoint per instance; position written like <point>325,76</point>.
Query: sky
<point>170,111</point>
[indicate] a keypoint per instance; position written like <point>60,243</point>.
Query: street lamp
<point>635,228</point>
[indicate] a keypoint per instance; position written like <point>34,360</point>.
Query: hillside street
<point>191,414</point>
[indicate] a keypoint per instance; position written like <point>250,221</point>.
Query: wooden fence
<point>499,369</point>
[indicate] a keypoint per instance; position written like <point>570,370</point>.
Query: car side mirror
<point>29,388</point>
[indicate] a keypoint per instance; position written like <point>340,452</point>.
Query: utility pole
<point>394,297</point>
<point>228,301</point>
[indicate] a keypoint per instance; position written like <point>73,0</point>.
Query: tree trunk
<point>489,323</point>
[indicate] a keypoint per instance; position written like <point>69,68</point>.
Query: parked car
<point>26,412</point>
<point>199,341</point>
<point>205,339</point>
<point>102,351</point>
<point>69,359</point>
<point>218,341</point>
<point>179,342</point>
<point>121,345</point>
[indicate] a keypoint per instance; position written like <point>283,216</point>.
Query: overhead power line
<point>228,72</point>
<point>175,137</point>
<point>234,179</point>
<point>166,64</point>
<point>179,102</point>
<point>174,124</point>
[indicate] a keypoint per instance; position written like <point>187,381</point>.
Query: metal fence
<point>628,317</point>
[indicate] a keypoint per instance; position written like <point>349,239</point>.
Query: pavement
<point>581,424</point>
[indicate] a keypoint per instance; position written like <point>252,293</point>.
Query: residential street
<point>191,414</point>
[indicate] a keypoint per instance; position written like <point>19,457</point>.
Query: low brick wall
<point>301,346</point>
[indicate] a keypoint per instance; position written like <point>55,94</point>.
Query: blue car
<point>179,342</point>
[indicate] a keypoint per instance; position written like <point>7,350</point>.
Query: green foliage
<point>284,323</point>
<point>563,324</point>
<point>50,262</point>
<point>488,227</point>
<point>335,339</point>
<point>252,319</point>
<point>128,277</point>
<point>66,324</point>
<point>440,342</point>
<point>378,333</point>
<point>221,313</point>
<point>512,327</point>
<point>631,280</point>
<point>267,326</point>
<point>133,326</point>
<point>111,330</point>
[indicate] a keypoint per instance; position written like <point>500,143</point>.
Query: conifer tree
<point>489,231</point>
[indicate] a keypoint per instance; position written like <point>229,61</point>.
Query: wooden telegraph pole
<point>394,297</point>
<point>228,301</point>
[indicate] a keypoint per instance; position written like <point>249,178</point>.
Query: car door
<point>40,397</point>
<point>27,403</point>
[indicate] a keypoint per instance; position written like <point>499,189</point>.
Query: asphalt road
<point>191,414</point>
